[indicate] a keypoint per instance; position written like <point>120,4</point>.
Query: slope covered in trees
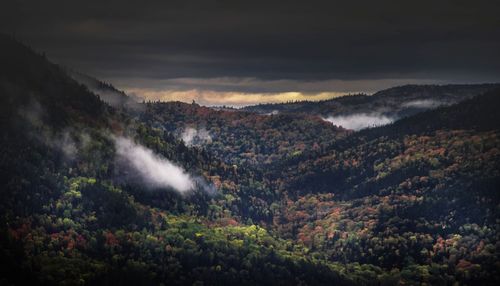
<point>421,192</point>
<point>284,199</point>
<point>243,138</point>
<point>67,217</point>
<point>391,104</point>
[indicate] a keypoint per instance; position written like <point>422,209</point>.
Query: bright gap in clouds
<point>234,99</point>
<point>238,92</point>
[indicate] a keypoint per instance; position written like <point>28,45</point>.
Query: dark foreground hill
<point>282,200</point>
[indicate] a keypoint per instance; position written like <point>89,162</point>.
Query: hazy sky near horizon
<point>243,52</point>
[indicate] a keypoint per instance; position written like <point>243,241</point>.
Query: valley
<point>99,188</point>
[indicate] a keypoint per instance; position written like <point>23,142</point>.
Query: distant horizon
<point>301,100</point>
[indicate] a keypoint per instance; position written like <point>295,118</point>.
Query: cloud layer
<point>360,120</point>
<point>423,103</point>
<point>153,169</point>
<point>292,45</point>
<point>192,136</point>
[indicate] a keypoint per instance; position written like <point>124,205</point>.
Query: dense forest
<point>398,101</point>
<point>250,196</point>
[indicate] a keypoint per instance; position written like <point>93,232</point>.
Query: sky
<point>231,52</point>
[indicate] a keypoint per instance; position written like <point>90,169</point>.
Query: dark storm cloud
<point>296,40</point>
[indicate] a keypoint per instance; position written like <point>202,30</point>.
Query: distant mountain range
<point>97,188</point>
<point>361,111</point>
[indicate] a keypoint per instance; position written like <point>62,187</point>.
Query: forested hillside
<point>423,191</point>
<point>382,107</point>
<point>95,193</point>
<point>242,137</point>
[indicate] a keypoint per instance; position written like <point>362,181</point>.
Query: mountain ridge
<point>395,103</point>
